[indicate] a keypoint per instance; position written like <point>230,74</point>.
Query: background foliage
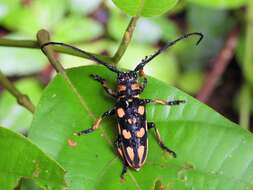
<point>213,152</point>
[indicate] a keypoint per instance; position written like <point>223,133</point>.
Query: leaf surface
<point>21,158</point>
<point>220,3</point>
<point>145,8</point>
<point>212,152</point>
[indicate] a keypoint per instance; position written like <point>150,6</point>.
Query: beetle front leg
<point>97,123</point>
<point>124,169</point>
<point>158,137</point>
<point>164,102</point>
<point>103,82</point>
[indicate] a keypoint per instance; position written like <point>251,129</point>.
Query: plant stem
<point>245,105</point>
<point>43,37</point>
<point>246,94</point>
<point>34,44</point>
<point>248,57</point>
<point>125,40</point>
<point>22,99</point>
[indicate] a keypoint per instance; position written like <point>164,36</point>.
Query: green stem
<point>245,105</point>
<point>22,99</point>
<point>34,44</point>
<point>248,57</point>
<point>125,40</point>
<point>43,37</point>
<point>246,95</point>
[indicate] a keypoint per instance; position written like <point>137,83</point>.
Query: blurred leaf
<point>147,30</point>
<point>190,81</point>
<point>96,47</point>
<point>76,28</point>
<point>214,28</point>
<point>213,153</point>
<point>21,158</point>
<point>117,24</point>
<point>220,3</point>
<point>84,6</point>
<point>14,116</point>
<point>7,6</point>
<point>145,8</point>
<point>39,14</point>
<point>20,61</point>
<point>164,67</point>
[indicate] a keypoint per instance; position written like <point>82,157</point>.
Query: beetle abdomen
<point>132,127</point>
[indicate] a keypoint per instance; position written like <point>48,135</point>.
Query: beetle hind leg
<point>158,137</point>
<point>124,169</point>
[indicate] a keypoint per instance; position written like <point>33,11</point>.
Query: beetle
<point>129,108</point>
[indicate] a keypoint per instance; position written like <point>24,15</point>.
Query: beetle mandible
<point>132,141</point>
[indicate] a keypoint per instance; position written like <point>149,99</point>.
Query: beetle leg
<point>103,82</point>
<point>97,123</point>
<point>124,170</point>
<point>164,102</point>
<point>158,137</point>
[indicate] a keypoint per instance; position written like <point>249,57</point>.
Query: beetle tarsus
<point>124,170</point>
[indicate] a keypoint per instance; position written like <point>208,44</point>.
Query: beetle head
<point>127,77</point>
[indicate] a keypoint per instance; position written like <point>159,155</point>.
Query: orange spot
<point>140,153</point>
<point>120,112</point>
<point>130,121</point>
<point>121,87</point>
<point>130,153</point>
<point>141,110</point>
<point>72,143</point>
<point>140,133</point>
<point>135,86</point>
<point>126,134</point>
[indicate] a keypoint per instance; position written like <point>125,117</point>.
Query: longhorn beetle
<point>132,141</point>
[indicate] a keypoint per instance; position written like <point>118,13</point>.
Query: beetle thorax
<point>127,84</point>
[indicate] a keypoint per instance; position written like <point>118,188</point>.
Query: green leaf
<point>20,61</point>
<point>14,116</point>
<point>21,158</point>
<point>38,14</point>
<point>220,3</point>
<point>76,28</point>
<point>212,152</point>
<point>145,8</point>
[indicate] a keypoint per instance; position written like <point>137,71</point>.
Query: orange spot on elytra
<point>141,110</point>
<point>126,134</point>
<point>140,133</point>
<point>140,153</point>
<point>120,112</point>
<point>130,152</point>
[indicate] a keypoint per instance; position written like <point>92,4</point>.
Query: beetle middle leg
<point>124,169</point>
<point>158,137</point>
<point>104,84</point>
<point>164,102</point>
<point>97,123</point>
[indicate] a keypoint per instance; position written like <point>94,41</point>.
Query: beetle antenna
<point>89,55</point>
<point>149,58</point>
